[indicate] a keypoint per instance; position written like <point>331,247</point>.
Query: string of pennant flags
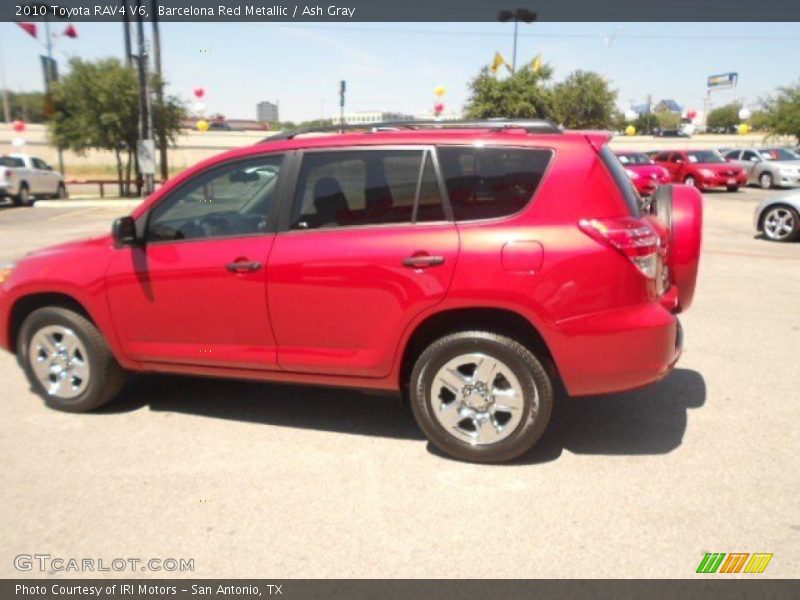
<point>499,61</point>
<point>31,29</point>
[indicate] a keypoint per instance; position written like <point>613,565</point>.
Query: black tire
<point>61,193</point>
<point>529,371</point>
<point>106,376</point>
<point>23,197</point>
<point>766,181</point>
<point>733,188</point>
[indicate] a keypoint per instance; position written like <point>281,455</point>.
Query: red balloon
<point>199,92</point>
<point>691,114</point>
<point>19,126</point>
<point>438,107</point>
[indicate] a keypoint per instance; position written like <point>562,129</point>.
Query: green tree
<point>96,106</point>
<point>646,123</point>
<point>523,95</point>
<point>584,101</point>
<point>26,106</point>
<point>667,119</point>
<point>725,117</point>
<point>782,112</point>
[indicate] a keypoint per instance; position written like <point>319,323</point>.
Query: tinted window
<point>364,187</point>
<point>621,179</point>
<point>662,156</point>
<point>483,183</point>
<point>11,161</point>
<point>734,155</point>
<point>704,157</point>
<point>39,164</point>
<point>226,201</point>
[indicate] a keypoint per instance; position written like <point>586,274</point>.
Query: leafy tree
<point>26,106</point>
<point>646,123</point>
<point>725,117</point>
<point>667,119</point>
<point>523,95</point>
<point>584,101</point>
<point>782,112</point>
<point>96,106</point>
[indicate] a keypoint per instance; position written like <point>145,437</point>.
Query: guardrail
<point>136,183</point>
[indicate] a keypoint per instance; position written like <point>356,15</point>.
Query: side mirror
<point>124,232</point>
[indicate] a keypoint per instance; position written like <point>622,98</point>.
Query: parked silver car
<point>767,167</point>
<point>778,217</point>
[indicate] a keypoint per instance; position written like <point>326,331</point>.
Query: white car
<point>24,178</point>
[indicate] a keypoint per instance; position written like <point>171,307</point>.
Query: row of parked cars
<point>777,218</point>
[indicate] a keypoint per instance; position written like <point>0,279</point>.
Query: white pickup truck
<point>24,178</point>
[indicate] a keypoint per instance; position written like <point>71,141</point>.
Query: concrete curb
<point>87,203</point>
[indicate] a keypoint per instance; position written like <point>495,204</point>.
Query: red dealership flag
<point>30,28</point>
<point>71,32</point>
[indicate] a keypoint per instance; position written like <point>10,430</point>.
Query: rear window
<point>485,183</point>
<point>10,161</point>
<point>622,180</point>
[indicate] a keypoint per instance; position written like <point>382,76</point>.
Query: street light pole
<point>144,150</point>
<point>521,14</point>
<point>162,142</point>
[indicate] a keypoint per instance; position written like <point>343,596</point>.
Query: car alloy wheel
<point>766,181</point>
<point>691,181</point>
<point>477,398</point>
<point>59,361</point>
<point>780,223</point>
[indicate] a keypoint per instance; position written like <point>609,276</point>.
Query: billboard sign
<point>723,80</point>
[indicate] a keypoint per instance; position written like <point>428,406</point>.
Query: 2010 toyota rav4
<point>470,266</point>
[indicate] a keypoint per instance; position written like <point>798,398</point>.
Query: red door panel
<point>340,299</point>
<point>194,302</point>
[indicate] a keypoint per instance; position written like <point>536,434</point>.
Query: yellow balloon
<point>202,125</point>
<point>630,130</point>
<point>744,129</point>
<point>439,90</point>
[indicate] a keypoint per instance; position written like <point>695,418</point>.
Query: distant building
<point>267,112</point>
<point>366,117</point>
<point>445,116</point>
<point>668,105</point>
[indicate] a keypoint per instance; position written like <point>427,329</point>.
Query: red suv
<point>702,169</point>
<point>470,266</point>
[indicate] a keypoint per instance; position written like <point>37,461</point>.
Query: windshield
<point>635,158</point>
<point>778,154</point>
<point>705,157</point>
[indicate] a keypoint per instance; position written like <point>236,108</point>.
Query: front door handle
<point>243,266</point>
<point>423,261</point>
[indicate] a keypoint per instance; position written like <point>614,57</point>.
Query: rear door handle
<point>243,266</point>
<point>422,262</point>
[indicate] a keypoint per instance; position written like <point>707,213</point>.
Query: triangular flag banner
<point>498,62</point>
<point>29,28</point>
<point>71,32</point>
<point>536,63</point>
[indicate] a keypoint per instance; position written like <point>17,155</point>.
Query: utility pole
<point>521,14</point>
<point>162,139</point>
<point>126,31</point>
<point>49,76</point>
<point>145,149</point>
<point>342,90</point>
<point>6,109</point>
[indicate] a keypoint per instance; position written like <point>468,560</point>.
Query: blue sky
<point>395,66</point>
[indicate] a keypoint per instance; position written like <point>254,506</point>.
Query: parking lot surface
<point>260,480</point>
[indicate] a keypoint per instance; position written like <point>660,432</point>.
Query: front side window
<point>365,187</point>
<point>490,182</point>
<point>232,200</point>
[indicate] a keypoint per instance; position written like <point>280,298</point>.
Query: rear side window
<point>622,180</point>
<point>485,183</point>
<point>365,187</point>
<point>11,161</point>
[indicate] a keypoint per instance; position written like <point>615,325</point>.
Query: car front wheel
<point>765,181</point>
<point>481,397</point>
<point>781,224</point>
<point>67,361</point>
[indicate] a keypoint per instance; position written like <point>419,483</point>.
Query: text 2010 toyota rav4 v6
<point>471,266</point>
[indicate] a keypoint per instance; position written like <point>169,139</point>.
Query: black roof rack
<point>529,125</point>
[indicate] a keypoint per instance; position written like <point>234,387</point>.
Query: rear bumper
<point>617,350</point>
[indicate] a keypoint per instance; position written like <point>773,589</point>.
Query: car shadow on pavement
<point>283,405</point>
<point>650,420</point>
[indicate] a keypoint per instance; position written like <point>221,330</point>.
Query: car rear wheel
<point>481,397</point>
<point>765,181</point>
<point>67,361</point>
<point>23,197</point>
<point>61,193</point>
<point>781,224</point>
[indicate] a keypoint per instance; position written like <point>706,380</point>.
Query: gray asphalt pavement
<point>285,481</point>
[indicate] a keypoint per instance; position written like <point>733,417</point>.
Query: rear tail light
<point>633,238</point>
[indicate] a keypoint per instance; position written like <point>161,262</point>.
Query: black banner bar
<point>403,10</point>
<point>711,588</point>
